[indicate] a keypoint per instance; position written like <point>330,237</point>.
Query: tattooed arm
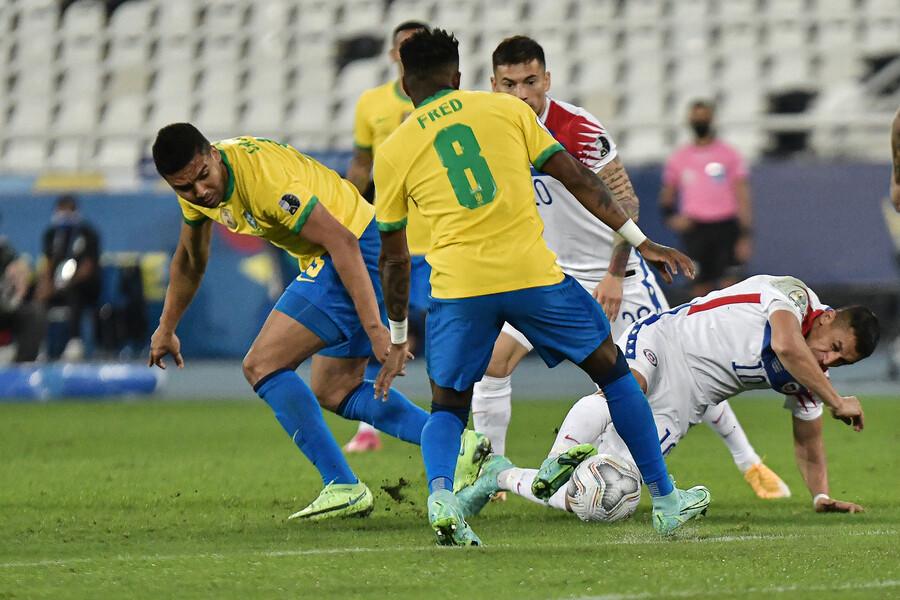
<point>596,197</point>
<point>609,292</point>
<point>895,156</point>
<point>394,266</point>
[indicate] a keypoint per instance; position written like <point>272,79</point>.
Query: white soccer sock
<point>365,427</point>
<point>518,481</point>
<point>586,421</point>
<point>723,421</point>
<point>492,409</point>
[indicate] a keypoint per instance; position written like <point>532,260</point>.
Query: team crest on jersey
<point>602,144</point>
<point>228,219</point>
<point>801,299</point>
<point>289,203</point>
<point>791,387</point>
<point>250,220</point>
<point>648,353</point>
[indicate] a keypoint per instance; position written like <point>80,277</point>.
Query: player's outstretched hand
<point>608,294</point>
<point>392,366</point>
<point>824,505</point>
<point>161,344</point>
<point>666,260</point>
<point>849,411</point>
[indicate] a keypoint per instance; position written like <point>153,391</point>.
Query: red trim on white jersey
<point>579,132</point>
<point>723,301</point>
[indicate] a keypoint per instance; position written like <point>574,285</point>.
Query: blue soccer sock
<point>396,416</point>
<point>440,445</point>
<point>633,419</point>
<point>298,411</point>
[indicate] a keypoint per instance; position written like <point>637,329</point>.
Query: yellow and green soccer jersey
<point>379,112</point>
<point>463,158</point>
<point>271,190</point>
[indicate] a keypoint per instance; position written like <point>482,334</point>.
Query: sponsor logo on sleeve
<point>289,203</point>
<point>650,356</point>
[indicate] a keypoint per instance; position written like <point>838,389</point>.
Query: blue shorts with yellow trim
<point>318,300</point>
<point>563,321</point>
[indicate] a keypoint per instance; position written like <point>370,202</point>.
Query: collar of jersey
<point>399,91</point>
<point>440,94</point>
<point>229,189</point>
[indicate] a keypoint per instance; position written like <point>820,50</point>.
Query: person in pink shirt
<point>706,198</point>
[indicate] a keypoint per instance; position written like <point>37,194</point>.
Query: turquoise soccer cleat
<point>339,500</point>
<point>674,510</point>
<point>448,522</point>
<point>473,498</point>
<point>474,449</point>
<point>556,471</point>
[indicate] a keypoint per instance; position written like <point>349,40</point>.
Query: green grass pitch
<point>190,499</point>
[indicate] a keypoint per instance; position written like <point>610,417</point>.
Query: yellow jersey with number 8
<point>463,158</point>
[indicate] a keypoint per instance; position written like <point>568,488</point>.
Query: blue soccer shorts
<point>318,300</point>
<point>562,321</point>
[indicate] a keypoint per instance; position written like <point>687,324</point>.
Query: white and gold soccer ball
<point>604,488</point>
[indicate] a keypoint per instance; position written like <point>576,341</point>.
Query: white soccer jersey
<point>581,242</point>
<point>717,346</point>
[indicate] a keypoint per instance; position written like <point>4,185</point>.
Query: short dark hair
<point>66,202</point>
<point>428,51</point>
<point>518,50</point>
<point>406,26</point>
<point>865,328</point>
<point>176,145</point>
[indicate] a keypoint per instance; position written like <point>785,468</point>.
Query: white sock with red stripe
<point>518,481</point>
<point>492,410</point>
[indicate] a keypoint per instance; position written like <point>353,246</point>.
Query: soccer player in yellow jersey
<point>463,159</point>
<point>379,111</point>
<point>333,312</point>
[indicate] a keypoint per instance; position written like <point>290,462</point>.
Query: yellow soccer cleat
<point>339,500</point>
<point>766,483</point>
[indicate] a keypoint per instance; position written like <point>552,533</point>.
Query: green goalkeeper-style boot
<point>673,510</point>
<point>556,471</point>
<point>473,498</point>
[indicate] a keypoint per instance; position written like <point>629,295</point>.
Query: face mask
<point>64,218</point>
<point>701,128</point>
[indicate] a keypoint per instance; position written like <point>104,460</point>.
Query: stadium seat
<point>81,82</point>
<point>399,11</point>
<point>455,16</point>
<point>361,17</point>
<point>124,115</point>
<point>644,144</point>
<point>24,156</point>
<point>636,12</point>
<point>687,12</point>
<point>176,18</point>
<point>555,15</point>
<point>273,17</point>
<point>880,35</point>
<point>127,51</point>
<point>738,38</point>
<point>266,79</point>
<point>83,18</point>
<point>223,16</point>
<point>263,116</point>
<point>131,17</point>
<point>77,116</point>
<point>788,70</point>
<point>360,75</point>
<point>309,118</point>
<point>219,81</point>
<point>592,14</point>
<point>68,154</point>
<point>175,53</point>
<point>217,118</point>
<point>169,110</point>
<point>117,153</point>
<point>83,50</point>
<point>30,116</point>
<point>317,16</point>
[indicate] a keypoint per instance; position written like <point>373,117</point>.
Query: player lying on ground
<point>463,158</point>
<point>333,312</point>
<point>764,332</point>
<point>600,260</point>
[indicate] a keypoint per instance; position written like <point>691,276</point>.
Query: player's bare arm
<point>394,265</point>
<point>593,194</point>
<point>809,452</point>
<point>895,156</point>
<point>792,350</point>
<point>360,170</point>
<point>343,246</point>
<point>185,274</point>
<point>609,291</point>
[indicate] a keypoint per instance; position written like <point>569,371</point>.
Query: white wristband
<point>631,233</point>
<point>398,331</point>
<point>819,497</point>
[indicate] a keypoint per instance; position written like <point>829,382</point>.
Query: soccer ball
<point>604,488</point>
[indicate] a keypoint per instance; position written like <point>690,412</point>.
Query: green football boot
<point>339,500</point>
<point>474,448</point>
<point>672,511</point>
<point>448,522</point>
<point>473,498</point>
<point>556,471</point>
